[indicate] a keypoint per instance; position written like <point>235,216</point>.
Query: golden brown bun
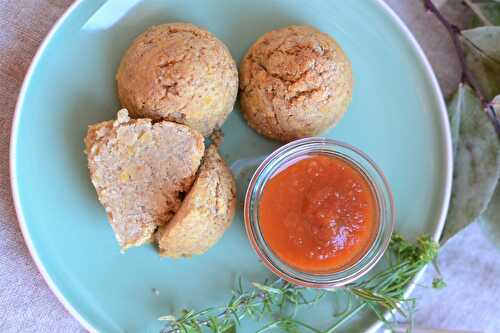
<point>295,82</point>
<point>181,73</point>
<point>206,212</point>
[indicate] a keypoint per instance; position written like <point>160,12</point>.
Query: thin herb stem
<point>282,322</point>
<point>454,33</point>
<point>383,291</point>
<point>345,317</point>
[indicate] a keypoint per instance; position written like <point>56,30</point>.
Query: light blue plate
<point>397,116</point>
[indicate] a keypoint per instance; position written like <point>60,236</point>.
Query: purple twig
<point>455,34</point>
<point>466,76</point>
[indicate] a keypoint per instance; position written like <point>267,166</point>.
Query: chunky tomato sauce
<point>318,214</point>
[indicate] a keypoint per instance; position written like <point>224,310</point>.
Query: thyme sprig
<point>279,300</point>
<point>279,297</point>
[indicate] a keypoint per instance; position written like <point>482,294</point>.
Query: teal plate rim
<point>20,102</point>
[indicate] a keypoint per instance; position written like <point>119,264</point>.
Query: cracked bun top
<point>295,82</point>
<point>181,73</point>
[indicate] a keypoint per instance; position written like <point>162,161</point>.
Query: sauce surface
<point>318,214</point>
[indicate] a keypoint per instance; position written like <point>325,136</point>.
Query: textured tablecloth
<point>470,264</point>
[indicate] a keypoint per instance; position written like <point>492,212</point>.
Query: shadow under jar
<point>319,213</point>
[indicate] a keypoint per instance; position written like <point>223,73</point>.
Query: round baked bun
<point>295,82</point>
<point>181,73</point>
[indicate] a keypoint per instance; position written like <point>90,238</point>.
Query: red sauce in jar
<point>318,213</point>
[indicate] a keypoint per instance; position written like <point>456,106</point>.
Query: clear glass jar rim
<point>383,194</point>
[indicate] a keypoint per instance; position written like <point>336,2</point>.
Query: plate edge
<point>13,173</point>
<point>445,126</point>
<point>14,132</point>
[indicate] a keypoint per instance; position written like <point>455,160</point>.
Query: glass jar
<point>283,157</point>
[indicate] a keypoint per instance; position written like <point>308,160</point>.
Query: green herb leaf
<point>477,161</point>
<point>482,57</point>
<point>267,288</point>
<point>383,291</point>
<point>438,283</point>
<point>213,324</point>
<point>230,329</point>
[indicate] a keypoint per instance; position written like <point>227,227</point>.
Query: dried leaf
<point>439,3</point>
<point>490,220</point>
<point>494,112</point>
<point>489,10</point>
<point>455,107</point>
<point>476,164</point>
<point>482,56</point>
<point>487,39</point>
